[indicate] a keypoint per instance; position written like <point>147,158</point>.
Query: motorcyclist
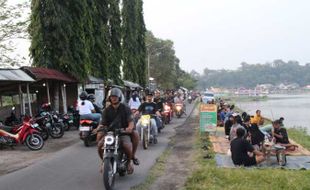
<point>160,107</point>
<point>149,107</point>
<point>121,114</point>
<point>179,100</point>
<point>92,99</point>
<point>86,108</point>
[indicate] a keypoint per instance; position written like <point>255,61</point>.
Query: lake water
<point>294,108</point>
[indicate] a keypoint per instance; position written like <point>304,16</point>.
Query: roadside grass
<point>209,176</point>
<point>300,136</point>
<point>156,171</point>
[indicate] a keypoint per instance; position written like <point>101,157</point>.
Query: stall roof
<point>95,80</point>
<point>131,84</point>
<point>14,75</point>
<point>39,73</point>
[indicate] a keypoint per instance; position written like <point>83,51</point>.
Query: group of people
<point>247,135</point>
<point>125,114</point>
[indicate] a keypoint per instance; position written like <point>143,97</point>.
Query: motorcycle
<point>114,158</point>
<point>167,113</point>
<point>12,119</point>
<point>51,125</point>
<point>68,121</point>
<point>26,134</point>
<point>189,99</point>
<point>145,132</point>
<point>86,131</point>
<point>179,110</point>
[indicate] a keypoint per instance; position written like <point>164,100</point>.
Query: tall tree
<point>129,40</point>
<point>141,48</point>
<point>58,38</point>
<point>99,36</point>
<point>115,59</point>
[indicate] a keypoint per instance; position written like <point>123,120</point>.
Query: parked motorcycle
<point>68,121</point>
<point>179,110</point>
<point>27,134</point>
<point>51,125</point>
<point>114,160</point>
<point>86,131</point>
<point>12,119</point>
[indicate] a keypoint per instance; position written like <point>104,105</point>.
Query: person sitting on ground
<point>255,136</point>
<point>235,125</point>
<point>243,153</point>
<point>257,119</point>
<point>280,136</point>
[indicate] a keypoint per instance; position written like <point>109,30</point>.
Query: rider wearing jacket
<point>92,98</point>
<point>149,108</point>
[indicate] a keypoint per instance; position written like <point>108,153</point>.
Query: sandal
<point>136,161</point>
<point>129,169</point>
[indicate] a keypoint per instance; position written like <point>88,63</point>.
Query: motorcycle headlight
<point>167,107</point>
<point>178,108</point>
<point>109,140</point>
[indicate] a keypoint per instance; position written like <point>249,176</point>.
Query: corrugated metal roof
<point>95,80</point>
<point>39,73</point>
<point>14,75</point>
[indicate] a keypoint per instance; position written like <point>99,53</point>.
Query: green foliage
<point>115,59</point>
<point>299,135</point>
<point>58,34</point>
<point>164,65</point>
<point>12,26</point>
<point>129,32</point>
<point>249,75</point>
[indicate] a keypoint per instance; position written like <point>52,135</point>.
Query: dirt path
<point>180,162</point>
<point>21,157</point>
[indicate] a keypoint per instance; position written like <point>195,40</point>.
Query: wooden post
<point>21,100</point>
<point>29,101</point>
<point>48,92</point>
<point>64,97</point>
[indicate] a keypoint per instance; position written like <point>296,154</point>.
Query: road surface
<point>77,167</point>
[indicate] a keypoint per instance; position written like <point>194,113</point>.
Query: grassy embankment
<point>209,176</point>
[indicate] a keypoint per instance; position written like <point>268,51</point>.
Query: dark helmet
<point>116,92</point>
<point>46,106</point>
<point>83,95</point>
<point>91,97</point>
<point>149,93</point>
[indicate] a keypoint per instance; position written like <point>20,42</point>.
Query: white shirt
<point>86,108</point>
<point>134,104</point>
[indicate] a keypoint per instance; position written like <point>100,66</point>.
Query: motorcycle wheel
<point>108,176</point>
<point>86,141</point>
<point>145,141</point>
<point>56,131</point>
<point>67,126</point>
<point>44,133</point>
<point>34,141</point>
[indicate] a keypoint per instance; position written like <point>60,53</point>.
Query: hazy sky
<point>223,33</point>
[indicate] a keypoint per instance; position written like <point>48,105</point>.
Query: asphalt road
<point>77,167</point>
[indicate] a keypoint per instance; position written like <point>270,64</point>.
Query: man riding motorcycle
<point>150,108</point>
<point>160,107</point>
<point>119,113</point>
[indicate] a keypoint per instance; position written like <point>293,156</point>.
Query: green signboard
<point>208,118</point>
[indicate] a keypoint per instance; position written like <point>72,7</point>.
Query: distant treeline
<point>249,75</point>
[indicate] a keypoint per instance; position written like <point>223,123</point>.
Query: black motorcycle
<point>86,131</point>
<point>50,125</point>
<point>114,160</point>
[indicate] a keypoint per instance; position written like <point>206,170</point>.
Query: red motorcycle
<point>26,134</point>
<point>167,113</point>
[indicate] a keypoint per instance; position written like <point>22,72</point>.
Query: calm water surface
<point>294,108</point>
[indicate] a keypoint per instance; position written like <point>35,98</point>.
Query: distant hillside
<point>249,75</point>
